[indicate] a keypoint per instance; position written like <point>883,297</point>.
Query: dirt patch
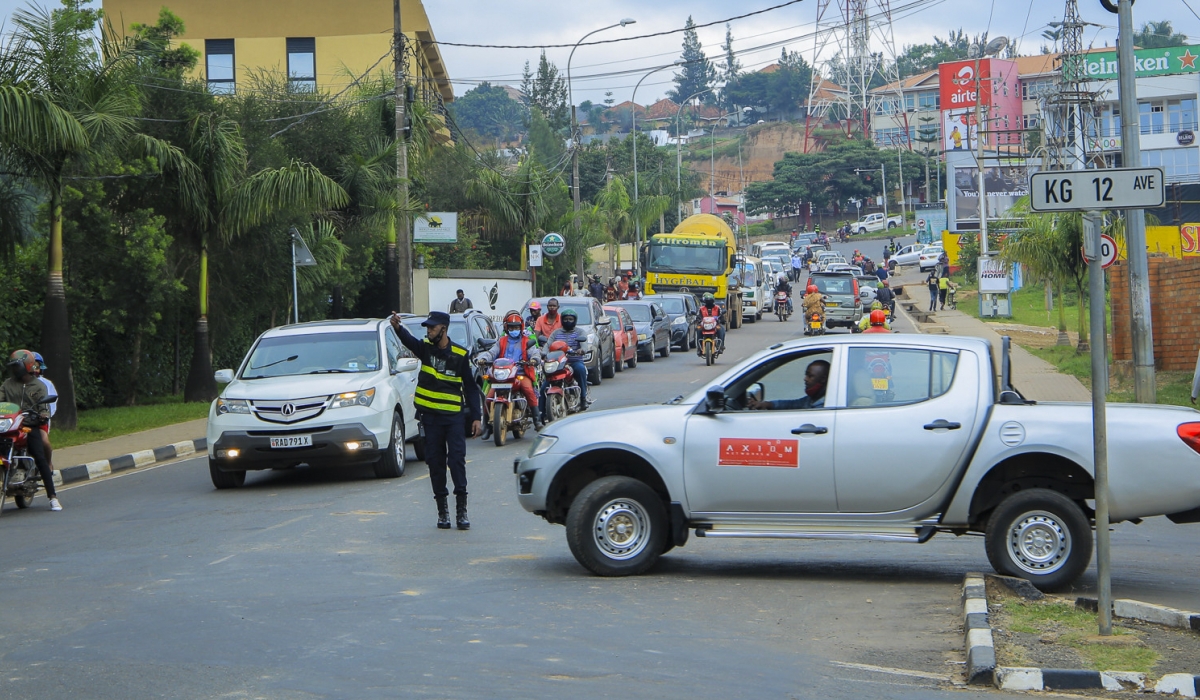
<point>1053,633</point>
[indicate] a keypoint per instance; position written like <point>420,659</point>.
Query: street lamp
<point>679,153</point>
<point>993,47</point>
<point>882,171</point>
<point>712,166</point>
<point>633,99</point>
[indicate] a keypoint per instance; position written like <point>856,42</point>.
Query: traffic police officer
<point>444,387</point>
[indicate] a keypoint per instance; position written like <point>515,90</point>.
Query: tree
<point>490,112</point>
<point>697,72</point>
<point>545,142</point>
<point>547,91</point>
<point>822,178</point>
<point>732,68</point>
<point>920,58</point>
<point>1158,35</point>
<point>779,92</point>
<point>1049,245</point>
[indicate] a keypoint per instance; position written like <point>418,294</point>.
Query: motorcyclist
<point>878,322</point>
<point>784,286</point>
<point>50,391</point>
<point>25,389</point>
<point>572,336</point>
<point>535,311</point>
<point>515,345</point>
<point>814,302</point>
<point>865,322</point>
<point>884,295</point>
<point>709,308</point>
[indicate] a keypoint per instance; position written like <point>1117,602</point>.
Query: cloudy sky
<point>541,22</point>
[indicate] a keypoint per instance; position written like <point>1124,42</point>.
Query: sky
<point>540,22</point>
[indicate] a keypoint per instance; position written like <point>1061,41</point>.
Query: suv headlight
<point>233,406</point>
<point>353,398</point>
<point>541,445</point>
<point>680,321</point>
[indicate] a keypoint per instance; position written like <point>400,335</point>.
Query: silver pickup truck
<point>873,437</point>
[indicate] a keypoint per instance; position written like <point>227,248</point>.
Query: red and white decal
<point>756,452</point>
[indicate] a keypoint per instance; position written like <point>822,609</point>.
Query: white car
<point>929,258</point>
<point>909,254</point>
<point>326,394</point>
<point>846,268</point>
<point>824,260</point>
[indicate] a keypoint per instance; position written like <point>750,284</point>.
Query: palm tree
<point>1158,35</point>
<point>228,202</point>
<point>1048,245</point>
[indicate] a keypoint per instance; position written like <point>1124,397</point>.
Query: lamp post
<point>633,99</point>
<point>575,125</point>
<point>882,171</point>
<point>679,154</point>
<point>712,163</point>
<point>993,47</point>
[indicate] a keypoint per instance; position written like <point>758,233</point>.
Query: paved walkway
<point>128,444</point>
<point>1035,378</point>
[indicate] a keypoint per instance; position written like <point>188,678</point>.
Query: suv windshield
<point>458,330</point>
<point>316,353</point>
<point>583,312</point>
<point>671,305</point>
<point>840,284</point>
<point>640,313</point>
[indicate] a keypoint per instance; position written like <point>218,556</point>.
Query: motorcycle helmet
<point>708,299</point>
<point>41,361</point>
<point>22,362</point>
<point>878,317</point>
<point>558,346</point>
<point>810,289</point>
<point>513,325</point>
<point>876,306</point>
<point>569,319</point>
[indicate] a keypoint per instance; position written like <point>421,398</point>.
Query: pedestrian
<point>944,263</point>
<point>596,289</point>
<point>932,282</point>
<point>943,288</point>
<point>460,304</point>
<point>797,263</point>
<point>446,396</point>
<point>566,289</point>
<point>550,321</point>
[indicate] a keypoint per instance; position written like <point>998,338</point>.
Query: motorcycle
<point>781,306</point>
<point>880,369</point>
<point>505,406</point>
<point>710,342</point>
<point>21,476</point>
<point>562,392</point>
<point>815,325</point>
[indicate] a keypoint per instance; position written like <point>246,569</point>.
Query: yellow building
<point>318,44</point>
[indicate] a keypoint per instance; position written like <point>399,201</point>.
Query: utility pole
<point>983,232</point>
<point>401,255</point>
<point>1141,325</point>
<point>1092,223</point>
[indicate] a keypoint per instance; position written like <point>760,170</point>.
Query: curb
<point>101,468</point>
<point>1146,612</point>
<point>981,649</point>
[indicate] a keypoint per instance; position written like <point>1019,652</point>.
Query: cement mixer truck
<point>697,257</point>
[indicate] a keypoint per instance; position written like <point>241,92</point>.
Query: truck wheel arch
<point>1026,471</point>
<point>573,476</point>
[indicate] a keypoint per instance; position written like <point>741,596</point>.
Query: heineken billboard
<point>1176,60</point>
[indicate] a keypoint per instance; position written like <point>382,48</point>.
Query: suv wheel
<point>391,464</point>
<point>617,526</point>
<point>608,370</point>
<point>1039,535</point>
<point>225,480</point>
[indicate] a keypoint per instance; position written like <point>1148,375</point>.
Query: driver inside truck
<point>816,377</point>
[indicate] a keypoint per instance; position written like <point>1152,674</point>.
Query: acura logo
<point>288,409</point>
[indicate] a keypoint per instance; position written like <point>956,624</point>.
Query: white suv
<point>330,393</point>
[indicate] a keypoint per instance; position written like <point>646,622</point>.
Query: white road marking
<point>222,559</point>
<point>893,671</point>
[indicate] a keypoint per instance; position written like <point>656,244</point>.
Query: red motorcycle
<point>710,342</point>
<point>781,306</point>
<point>505,405</point>
<point>562,386</point>
<point>21,476</point>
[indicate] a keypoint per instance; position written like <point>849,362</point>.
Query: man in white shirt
<point>50,391</point>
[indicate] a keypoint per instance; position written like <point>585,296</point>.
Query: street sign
<point>535,256</point>
<point>1108,250</point>
<point>553,244</point>
<point>436,227</point>
<point>1108,188</point>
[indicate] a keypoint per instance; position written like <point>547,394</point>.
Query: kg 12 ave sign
<point>1108,188</point>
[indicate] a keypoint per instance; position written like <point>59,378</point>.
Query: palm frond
<point>296,187</point>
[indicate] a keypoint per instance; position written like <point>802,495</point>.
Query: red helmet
<point>878,317</point>
<point>558,346</point>
<point>512,320</point>
<point>23,359</point>
<point>810,289</point>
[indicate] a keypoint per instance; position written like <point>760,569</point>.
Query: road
<point>310,583</point>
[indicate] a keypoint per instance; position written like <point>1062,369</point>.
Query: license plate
<point>831,303</point>
<point>502,386</point>
<point>814,324</point>
<point>879,384</point>
<point>291,441</point>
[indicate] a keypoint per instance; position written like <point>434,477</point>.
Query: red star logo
<point>1187,60</point>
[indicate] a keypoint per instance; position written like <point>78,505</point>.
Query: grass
<point>1174,388</point>
<point>1073,628</point>
<point>103,423</point>
<point>1028,306</point>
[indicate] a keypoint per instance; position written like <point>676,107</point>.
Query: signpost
<point>301,257</point>
<point>1109,188</point>
<point>535,256</point>
<point>436,227</point>
<point>553,244</point>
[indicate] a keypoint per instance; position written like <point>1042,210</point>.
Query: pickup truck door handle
<point>810,428</point>
<point>942,424</point>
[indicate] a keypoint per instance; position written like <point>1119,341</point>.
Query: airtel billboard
<point>1000,94</point>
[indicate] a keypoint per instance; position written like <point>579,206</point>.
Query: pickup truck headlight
<point>680,321</point>
<point>541,445</point>
<point>233,406</point>
<point>353,398</point>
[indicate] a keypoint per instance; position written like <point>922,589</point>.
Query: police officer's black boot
<point>460,504</point>
<point>443,513</point>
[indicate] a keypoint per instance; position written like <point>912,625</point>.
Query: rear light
<point>1190,434</point>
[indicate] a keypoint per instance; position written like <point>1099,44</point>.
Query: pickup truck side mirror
<point>223,376</point>
<point>714,399</point>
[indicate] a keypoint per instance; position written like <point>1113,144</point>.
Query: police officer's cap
<point>436,318</point>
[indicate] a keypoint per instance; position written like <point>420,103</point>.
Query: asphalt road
<point>314,584</point>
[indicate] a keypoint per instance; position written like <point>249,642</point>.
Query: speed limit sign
<point>1108,250</point>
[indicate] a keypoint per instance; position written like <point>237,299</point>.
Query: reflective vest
<point>440,384</point>
<point>715,312</point>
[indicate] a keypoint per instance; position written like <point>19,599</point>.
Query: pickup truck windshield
<point>700,260</point>
<point>315,353</point>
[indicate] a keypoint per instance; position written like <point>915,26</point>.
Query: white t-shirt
<point>50,391</point>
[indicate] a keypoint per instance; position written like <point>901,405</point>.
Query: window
<point>781,380</point>
<point>218,66</point>
<point>395,349</point>
<point>908,103</point>
<point>894,376</point>
<point>1181,115</point>
<point>1178,164</point>
<point>1029,121</point>
<point>302,64</point>
<point>929,100</point>
<point>1150,117</point>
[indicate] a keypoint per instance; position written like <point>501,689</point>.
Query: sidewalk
<point>1035,378</point>
<point>129,444</point>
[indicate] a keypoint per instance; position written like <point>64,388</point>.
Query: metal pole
<point>1141,324</point>
<point>633,99</point>
<point>900,186</point>
<point>1092,223</point>
<point>295,287</point>
<point>883,170</point>
<point>403,233</point>
<point>983,232</point>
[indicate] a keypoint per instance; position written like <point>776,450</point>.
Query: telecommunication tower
<point>1071,104</point>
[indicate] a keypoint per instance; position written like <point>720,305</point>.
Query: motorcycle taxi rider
<point>515,345</point>
<point>25,389</point>
<point>879,322</point>
<point>786,287</point>
<point>571,335</point>
<point>868,320</point>
<point>709,308</point>
<point>814,303</point>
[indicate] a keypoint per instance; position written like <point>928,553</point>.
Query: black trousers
<point>37,450</point>
<point>446,446</point>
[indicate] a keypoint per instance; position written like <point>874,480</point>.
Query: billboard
<point>999,96</point>
<point>436,227</point>
<point>958,130</point>
<point>1005,184</point>
<point>1176,60</point>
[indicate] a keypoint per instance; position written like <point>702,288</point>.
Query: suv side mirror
<point>406,364</point>
<point>714,399</point>
<point>604,321</point>
<point>223,376</point>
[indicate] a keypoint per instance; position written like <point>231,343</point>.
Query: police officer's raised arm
<point>414,344</point>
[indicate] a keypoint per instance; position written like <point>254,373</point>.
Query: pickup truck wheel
<point>617,526</point>
<point>891,224</point>
<point>391,464</point>
<point>225,480</point>
<point>862,231</point>
<point>1039,535</point>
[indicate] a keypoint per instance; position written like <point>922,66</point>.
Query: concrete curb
<point>105,467</point>
<point>1146,612</point>
<point>977,632</point>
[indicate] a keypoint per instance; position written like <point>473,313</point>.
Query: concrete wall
<point>1173,285</point>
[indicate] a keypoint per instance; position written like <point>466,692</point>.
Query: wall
<point>492,292</point>
<point>1173,285</point>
